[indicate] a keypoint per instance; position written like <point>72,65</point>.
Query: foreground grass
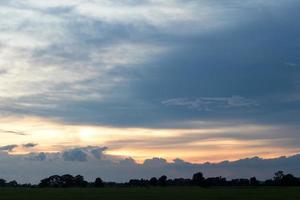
<point>177,193</point>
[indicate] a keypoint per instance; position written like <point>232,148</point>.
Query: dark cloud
<point>224,72</point>
<point>75,155</point>
<point>11,147</point>
<point>98,152</point>
<point>82,154</point>
<point>209,104</point>
<point>29,145</point>
<point>8,148</point>
<point>41,156</point>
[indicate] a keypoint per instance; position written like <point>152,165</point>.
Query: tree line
<point>67,180</point>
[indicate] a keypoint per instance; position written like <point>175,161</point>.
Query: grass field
<point>181,193</point>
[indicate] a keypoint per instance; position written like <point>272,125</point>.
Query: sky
<point>195,80</point>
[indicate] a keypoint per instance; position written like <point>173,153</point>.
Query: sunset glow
<point>194,145</point>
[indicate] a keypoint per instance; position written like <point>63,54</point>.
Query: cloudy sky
<point>199,80</point>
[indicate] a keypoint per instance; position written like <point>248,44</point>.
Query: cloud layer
<point>75,60</point>
<point>209,103</point>
<point>35,166</point>
<point>151,76</point>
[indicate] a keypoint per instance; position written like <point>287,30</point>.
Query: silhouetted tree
<point>52,181</point>
<point>139,183</point>
<point>98,182</point>
<point>280,179</point>
<point>240,182</point>
<point>67,180</point>
<point>79,181</point>
<point>179,182</point>
<point>153,181</point>
<point>278,176</point>
<point>198,178</point>
<point>12,184</point>
<point>2,183</point>
<point>254,181</point>
<point>26,185</point>
<point>269,182</point>
<point>289,180</point>
<point>215,181</point>
<point>162,181</point>
<point>134,182</point>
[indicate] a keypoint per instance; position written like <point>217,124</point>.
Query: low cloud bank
<point>93,162</point>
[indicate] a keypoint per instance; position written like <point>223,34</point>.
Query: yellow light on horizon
<point>141,143</point>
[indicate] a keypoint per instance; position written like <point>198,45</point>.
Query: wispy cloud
<point>13,132</point>
<point>211,103</point>
<point>12,147</point>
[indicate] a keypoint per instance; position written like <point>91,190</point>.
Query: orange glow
<point>194,145</point>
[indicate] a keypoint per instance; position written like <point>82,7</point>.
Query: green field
<point>168,193</point>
